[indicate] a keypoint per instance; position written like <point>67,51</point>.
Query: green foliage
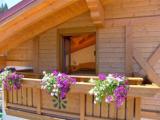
<point>3,7</point>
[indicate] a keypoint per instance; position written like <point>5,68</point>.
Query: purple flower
<point>120,94</point>
<point>102,76</point>
<point>55,72</point>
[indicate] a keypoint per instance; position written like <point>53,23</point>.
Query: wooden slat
<point>20,96</point>
<point>5,98</point>
<point>89,105</point>
<point>15,96</point>
<point>96,110</point>
<point>24,95</point>
<point>16,106</point>
<point>112,110</point>
<point>29,97</point>
<point>104,109</point>
<point>121,112</point>
<point>34,97</point>
<point>137,108</point>
<point>82,106</point>
<point>130,108</point>
<point>38,99</point>
<point>10,95</point>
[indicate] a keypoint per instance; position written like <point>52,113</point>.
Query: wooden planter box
<point>33,103</point>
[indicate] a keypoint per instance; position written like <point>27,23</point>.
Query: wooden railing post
<point>82,106</point>
<point>38,99</point>
<point>5,94</point>
<point>137,108</point>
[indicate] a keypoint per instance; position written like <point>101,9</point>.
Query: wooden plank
<point>29,97</point>
<point>20,96</point>
<point>151,115</point>
<point>104,109</point>
<point>112,111</point>
<point>130,108</point>
<point>15,96</point>
<point>24,95</point>
<point>96,110</point>
<point>16,106</point>
<point>128,51</point>
<point>146,67</point>
<point>10,94</point>
<point>89,105</point>
<point>30,116</point>
<point>38,99</point>
<point>34,97</point>
<point>82,106</point>
<point>122,112</point>
<point>137,108</point>
<point>5,97</point>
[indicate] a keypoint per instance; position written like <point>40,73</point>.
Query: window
<point>79,54</point>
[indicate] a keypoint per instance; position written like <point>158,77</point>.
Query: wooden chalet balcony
<point>33,103</point>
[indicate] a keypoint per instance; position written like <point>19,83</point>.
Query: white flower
<point>44,72</point>
<point>91,91</point>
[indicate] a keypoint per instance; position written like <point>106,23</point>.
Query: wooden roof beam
<point>96,12</point>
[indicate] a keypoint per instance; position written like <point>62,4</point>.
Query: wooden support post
<point>82,106</point>
<point>137,108</point>
<point>38,94</point>
<point>5,94</point>
<point>128,50</point>
<point>36,54</point>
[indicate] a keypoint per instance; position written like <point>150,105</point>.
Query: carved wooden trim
<point>96,11</point>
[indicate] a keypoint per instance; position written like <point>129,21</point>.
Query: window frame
<point>70,32</point>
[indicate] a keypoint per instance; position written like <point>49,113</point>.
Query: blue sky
<point>10,3</point>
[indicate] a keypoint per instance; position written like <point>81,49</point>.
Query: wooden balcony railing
<point>35,104</point>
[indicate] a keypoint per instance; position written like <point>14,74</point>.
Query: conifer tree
<point>3,7</point>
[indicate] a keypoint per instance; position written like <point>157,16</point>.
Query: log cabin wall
<point>139,14</point>
<point>21,55</point>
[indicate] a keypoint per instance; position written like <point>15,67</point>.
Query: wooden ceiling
<point>82,41</point>
<point>47,14</point>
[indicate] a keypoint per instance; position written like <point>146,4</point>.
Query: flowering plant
<point>113,87</point>
<point>10,78</point>
<point>57,84</point>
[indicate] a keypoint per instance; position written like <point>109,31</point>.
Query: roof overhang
<point>45,15</point>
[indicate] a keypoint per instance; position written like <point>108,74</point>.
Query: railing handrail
<point>84,87</point>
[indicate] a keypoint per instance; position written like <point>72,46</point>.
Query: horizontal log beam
<point>84,87</point>
<point>96,11</point>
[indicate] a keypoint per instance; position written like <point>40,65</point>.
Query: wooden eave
<point>45,15</point>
